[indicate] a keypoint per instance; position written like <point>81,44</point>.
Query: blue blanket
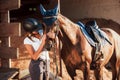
<point>101,34</point>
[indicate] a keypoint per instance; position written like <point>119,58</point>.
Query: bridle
<point>53,43</point>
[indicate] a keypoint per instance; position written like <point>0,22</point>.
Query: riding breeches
<point>39,69</point>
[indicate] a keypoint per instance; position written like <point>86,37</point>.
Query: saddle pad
<point>101,34</point>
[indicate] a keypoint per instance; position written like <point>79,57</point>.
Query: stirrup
<point>99,56</point>
<point>102,57</point>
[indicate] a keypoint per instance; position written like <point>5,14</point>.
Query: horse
<point>76,51</point>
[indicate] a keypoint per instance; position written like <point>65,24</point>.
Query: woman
<point>34,43</point>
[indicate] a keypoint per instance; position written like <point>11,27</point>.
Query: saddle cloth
<point>100,34</point>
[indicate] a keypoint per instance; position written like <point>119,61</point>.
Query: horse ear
<point>55,10</point>
<point>42,10</point>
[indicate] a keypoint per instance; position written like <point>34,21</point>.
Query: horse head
<point>49,16</point>
<point>50,20</point>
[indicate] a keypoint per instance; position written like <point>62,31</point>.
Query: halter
<point>48,17</point>
<point>53,44</point>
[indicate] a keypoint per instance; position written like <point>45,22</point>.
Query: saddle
<point>91,27</point>
<point>93,33</point>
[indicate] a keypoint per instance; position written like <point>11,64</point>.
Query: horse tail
<point>116,38</point>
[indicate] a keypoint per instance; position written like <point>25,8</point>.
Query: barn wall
<point>77,9</point>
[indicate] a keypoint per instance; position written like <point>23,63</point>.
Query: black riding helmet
<point>31,24</point>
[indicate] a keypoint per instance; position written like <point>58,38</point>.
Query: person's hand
<point>51,35</point>
<point>44,37</point>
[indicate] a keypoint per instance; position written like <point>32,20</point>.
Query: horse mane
<point>71,29</point>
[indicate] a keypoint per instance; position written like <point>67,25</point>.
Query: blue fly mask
<point>49,16</point>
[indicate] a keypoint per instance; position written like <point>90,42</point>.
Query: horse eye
<point>55,24</point>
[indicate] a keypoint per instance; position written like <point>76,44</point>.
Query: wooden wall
<point>12,51</point>
<point>7,31</point>
<point>79,9</point>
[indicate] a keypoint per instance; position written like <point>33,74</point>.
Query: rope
<point>59,6</point>
<point>55,45</point>
<point>55,59</point>
<point>56,56</point>
<point>55,48</point>
<point>60,44</point>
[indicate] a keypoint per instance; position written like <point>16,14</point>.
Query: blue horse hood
<point>49,16</point>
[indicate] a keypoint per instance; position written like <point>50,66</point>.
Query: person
<point>34,43</point>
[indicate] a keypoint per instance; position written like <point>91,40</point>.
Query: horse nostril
<point>50,39</point>
<point>49,44</point>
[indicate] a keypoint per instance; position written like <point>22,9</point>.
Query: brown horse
<point>77,53</point>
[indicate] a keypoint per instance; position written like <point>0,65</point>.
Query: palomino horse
<point>76,52</point>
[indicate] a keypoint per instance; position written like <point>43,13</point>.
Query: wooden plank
<point>10,29</point>
<point>6,63</point>
<point>4,16</point>
<point>11,41</point>
<point>26,2</point>
<point>16,41</point>
<point>23,74</point>
<point>4,41</point>
<point>35,2</point>
<point>9,4</point>
<point>9,52</point>
<point>8,73</point>
<point>0,17</point>
<point>0,42</point>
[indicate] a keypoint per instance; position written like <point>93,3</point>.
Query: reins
<point>56,41</point>
<point>56,34</point>
<point>55,47</point>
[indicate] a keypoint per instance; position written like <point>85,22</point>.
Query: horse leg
<point>118,71</point>
<point>115,68</point>
<point>119,74</point>
<point>87,72</point>
<point>114,73</point>
<point>118,68</point>
<point>71,72</point>
<point>99,72</point>
<point>84,70</point>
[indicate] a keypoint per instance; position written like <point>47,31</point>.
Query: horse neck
<point>71,29</point>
